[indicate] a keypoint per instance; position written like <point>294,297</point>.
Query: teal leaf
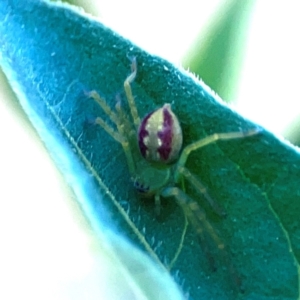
<point>53,54</point>
<point>218,53</point>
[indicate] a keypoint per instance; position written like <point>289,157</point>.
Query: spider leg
<point>194,212</point>
<point>114,134</point>
<point>157,204</point>
<point>197,217</point>
<point>130,98</point>
<point>202,189</point>
<point>124,121</point>
<point>121,125</point>
<point>208,140</point>
<point>110,113</point>
<point>120,121</point>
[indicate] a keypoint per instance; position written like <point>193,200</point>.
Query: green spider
<point>156,161</point>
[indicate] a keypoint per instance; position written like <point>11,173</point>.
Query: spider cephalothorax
<point>156,162</point>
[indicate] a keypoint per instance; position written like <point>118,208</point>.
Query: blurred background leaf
<point>217,56</point>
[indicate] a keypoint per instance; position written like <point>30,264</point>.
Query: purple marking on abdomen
<point>142,134</point>
<point>166,135</point>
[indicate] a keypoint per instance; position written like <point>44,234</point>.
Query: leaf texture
<point>53,54</point>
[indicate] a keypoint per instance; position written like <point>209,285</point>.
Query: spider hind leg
<point>197,217</point>
<point>200,188</point>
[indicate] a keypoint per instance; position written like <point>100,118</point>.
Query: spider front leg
<point>128,91</point>
<point>125,131</point>
<point>121,122</point>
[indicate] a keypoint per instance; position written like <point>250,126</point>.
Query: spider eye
<point>140,187</point>
<point>160,136</point>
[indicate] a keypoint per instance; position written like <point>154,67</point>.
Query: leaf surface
<point>53,54</point>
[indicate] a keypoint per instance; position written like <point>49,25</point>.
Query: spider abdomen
<point>160,136</point>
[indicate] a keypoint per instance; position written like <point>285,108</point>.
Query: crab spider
<point>156,162</point>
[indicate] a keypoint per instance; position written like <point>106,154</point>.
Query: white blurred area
<point>163,28</point>
<point>269,92</point>
<point>45,243</point>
